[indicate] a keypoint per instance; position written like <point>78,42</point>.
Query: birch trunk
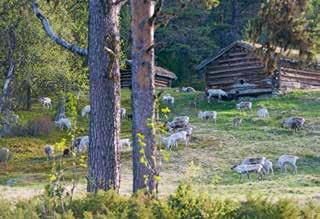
<point>9,74</point>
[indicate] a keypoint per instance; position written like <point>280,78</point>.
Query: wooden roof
<point>292,55</point>
<point>159,71</point>
<point>165,73</point>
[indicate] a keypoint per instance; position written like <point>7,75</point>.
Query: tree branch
<point>48,29</point>
<point>156,12</point>
<point>117,2</point>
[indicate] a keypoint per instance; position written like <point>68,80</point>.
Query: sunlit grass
<point>213,150</point>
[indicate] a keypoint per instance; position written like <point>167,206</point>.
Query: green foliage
<point>71,107</point>
<point>313,17</point>
<point>282,25</point>
<point>263,208</point>
<point>184,203</point>
<point>188,205</point>
<point>41,65</point>
<point>198,32</point>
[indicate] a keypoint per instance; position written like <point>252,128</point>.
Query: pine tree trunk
<point>103,62</point>
<point>143,95</point>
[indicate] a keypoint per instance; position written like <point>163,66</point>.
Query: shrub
<point>184,203</point>
<point>262,208</point>
<point>39,126</point>
<point>104,203</point>
<point>188,205</point>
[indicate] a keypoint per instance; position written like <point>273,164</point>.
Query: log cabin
<point>238,69</point>
<point>163,77</point>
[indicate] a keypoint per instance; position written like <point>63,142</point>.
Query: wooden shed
<point>163,77</point>
<point>238,69</point>
<point>294,76</point>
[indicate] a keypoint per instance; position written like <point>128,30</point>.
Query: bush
<point>39,126</point>
<point>188,205</point>
<point>182,204</point>
<point>262,208</point>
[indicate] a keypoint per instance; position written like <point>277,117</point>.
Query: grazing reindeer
<point>237,122</point>
<point>216,93</point>
<point>246,169</point>
<point>46,102</point>
<point>294,123</point>
<point>49,150</point>
<point>287,159</point>
<point>244,105</point>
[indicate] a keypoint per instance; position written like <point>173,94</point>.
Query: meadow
<point>206,163</point>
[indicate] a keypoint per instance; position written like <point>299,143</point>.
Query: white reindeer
<point>287,159</point>
<point>244,105</point>
<point>46,102</point>
<point>262,113</point>
<point>208,115</point>
<point>123,112</point>
<point>216,93</point>
<point>5,156</point>
<point>175,138</point>
<point>63,123</point>
<point>168,99</point>
<point>125,142</point>
<point>269,167</point>
<point>85,111</point>
<point>187,89</point>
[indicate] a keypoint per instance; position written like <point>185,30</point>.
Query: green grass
<point>213,150</point>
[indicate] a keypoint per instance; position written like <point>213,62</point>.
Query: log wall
<point>160,81</point>
<point>293,78</point>
<point>238,71</point>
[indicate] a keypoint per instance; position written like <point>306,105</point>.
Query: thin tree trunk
<point>9,75</point>
<point>103,61</point>
<point>143,95</point>
<point>6,86</point>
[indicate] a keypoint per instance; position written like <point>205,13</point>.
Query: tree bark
<point>143,96</point>
<point>104,66</point>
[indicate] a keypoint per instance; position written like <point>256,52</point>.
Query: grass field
<point>213,150</point>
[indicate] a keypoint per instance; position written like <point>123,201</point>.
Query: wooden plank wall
<point>292,78</point>
<point>159,80</point>
<point>238,69</point>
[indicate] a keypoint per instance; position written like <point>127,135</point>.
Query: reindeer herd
<point>260,165</point>
<point>180,130</point>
